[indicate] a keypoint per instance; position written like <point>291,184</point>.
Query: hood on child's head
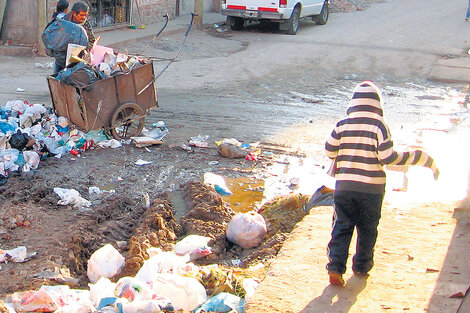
<point>366,98</point>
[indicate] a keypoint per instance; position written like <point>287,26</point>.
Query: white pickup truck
<point>286,12</point>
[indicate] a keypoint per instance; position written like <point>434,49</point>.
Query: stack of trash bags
<point>67,42</point>
<point>31,132</point>
<point>167,281</point>
<point>101,62</point>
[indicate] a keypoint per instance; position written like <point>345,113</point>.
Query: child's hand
<point>436,173</point>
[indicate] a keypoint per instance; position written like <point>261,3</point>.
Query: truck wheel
<point>293,22</point>
<point>235,23</point>
<point>322,18</point>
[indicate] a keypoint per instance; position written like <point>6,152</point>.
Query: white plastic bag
<point>250,285</point>
<point>31,160</point>
<point>15,105</point>
<point>93,190</point>
<point>143,306</point>
<point>163,262</point>
<point>103,288</point>
<point>194,245</point>
<point>104,262</point>
<point>8,157</point>
<point>63,296</point>
<point>247,229</point>
<point>132,289</point>
<point>16,255</point>
<point>33,301</point>
<point>71,196</point>
<point>185,293</point>
<point>112,143</point>
<point>217,182</point>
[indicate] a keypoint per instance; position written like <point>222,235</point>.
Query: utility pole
<point>42,22</point>
<point>198,8</point>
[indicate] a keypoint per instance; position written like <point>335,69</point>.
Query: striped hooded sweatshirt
<point>361,145</point>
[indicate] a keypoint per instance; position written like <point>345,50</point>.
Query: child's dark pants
<point>354,209</point>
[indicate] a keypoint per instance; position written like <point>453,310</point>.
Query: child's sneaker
<point>336,279</point>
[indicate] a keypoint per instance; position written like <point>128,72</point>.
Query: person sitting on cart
<point>78,15</point>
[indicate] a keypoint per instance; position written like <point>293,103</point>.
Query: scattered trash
<point>44,65</point>
<point>217,182</point>
<point>31,160</point>
<point>232,151</point>
<point>16,255</point>
<point>232,148</point>
<point>158,131</point>
<point>71,197</point>
<point>432,270</point>
<point>250,285</point>
<point>213,162</point>
<point>200,141</point>
<point>221,28</point>
<point>252,156</point>
<point>142,162</point>
<point>186,147</point>
<point>58,275</point>
<point>185,293</point>
<point>19,89</point>
<point>33,301</point>
<point>223,302</point>
<point>111,143</point>
<point>93,190</point>
<point>194,245</point>
<point>141,142</point>
<point>247,229</point>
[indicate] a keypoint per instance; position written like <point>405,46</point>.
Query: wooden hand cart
<point>118,104</point>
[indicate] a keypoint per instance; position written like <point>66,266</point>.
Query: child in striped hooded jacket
<point>360,145</point>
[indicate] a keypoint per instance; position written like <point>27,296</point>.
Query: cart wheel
<point>127,121</point>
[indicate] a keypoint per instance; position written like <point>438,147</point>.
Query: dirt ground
<point>64,237</point>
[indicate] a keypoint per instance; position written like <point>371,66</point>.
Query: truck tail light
<point>283,3</point>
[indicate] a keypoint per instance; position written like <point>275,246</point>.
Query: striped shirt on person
<point>361,145</point>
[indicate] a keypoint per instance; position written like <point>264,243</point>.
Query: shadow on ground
<point>337,299</point>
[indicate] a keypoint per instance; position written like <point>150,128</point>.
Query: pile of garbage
<point>31,132</point>
<point>167,281</point>
<point>101,62</point>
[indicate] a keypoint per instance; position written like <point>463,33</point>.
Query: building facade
<point>23,18</point>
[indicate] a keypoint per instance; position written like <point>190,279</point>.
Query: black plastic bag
<point>80,75</point>
<point>19,140</point>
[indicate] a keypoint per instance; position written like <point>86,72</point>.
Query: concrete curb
<point>17,51</point>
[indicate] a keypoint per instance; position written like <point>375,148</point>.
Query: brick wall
<point>21,17</point>
<point>152,11</point>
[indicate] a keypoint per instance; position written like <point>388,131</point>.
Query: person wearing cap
<point>359,146</point>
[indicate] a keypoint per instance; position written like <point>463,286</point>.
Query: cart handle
<point>173,59</point>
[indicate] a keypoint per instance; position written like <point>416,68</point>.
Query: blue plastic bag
<point>5,127</point>
<point>222,303</point>
<point>57,36</point>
